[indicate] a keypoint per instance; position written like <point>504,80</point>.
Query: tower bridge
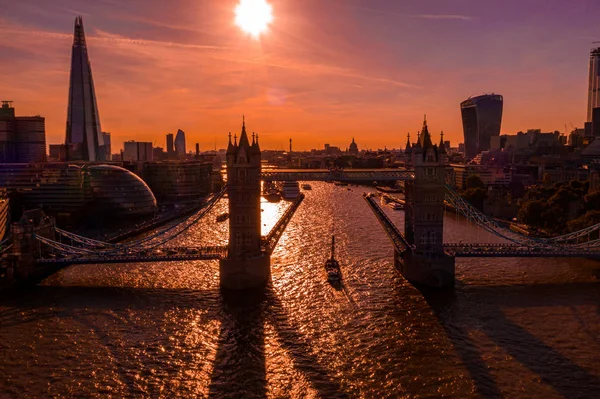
<point>420,253</point>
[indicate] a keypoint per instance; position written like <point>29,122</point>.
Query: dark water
<point>516,328</point>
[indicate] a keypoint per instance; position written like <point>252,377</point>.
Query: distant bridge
<point>342,175</point>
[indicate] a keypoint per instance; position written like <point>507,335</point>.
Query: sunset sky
<point>326,70</point>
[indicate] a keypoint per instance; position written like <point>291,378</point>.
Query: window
<point>424,237</point>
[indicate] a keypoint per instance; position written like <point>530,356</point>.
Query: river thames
<point>515,328</point>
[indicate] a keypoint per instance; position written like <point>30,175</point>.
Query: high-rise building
<point>594,83</point>
<point>22,138</point>
<point>170,146</point>
<point>84,136</point>
<point>482,119</point>
<point>57,152</point>
<point>134,151</point>
<point>30,139</point>
<point>107,145</point>
<point>180,143</point>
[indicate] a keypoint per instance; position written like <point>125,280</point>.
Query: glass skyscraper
<point>84,141</point>
<point>482,118</point>
<point>594,83</point>
<point>180,143</point>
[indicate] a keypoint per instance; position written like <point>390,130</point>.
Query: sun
<point>253,16</point>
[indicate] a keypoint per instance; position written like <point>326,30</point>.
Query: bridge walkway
<point>397,238</point>
<point>270,240</point>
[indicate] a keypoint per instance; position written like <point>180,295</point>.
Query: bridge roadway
<point>271,240</point>
<point>168,254</point>
<point>397,238</point>
<point>346,175</point>
<point>517,251</point>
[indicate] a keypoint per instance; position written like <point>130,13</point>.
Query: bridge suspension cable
<point>469,212</point>
<point>100,248</point>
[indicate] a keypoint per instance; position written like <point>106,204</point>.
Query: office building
<point>107,145</point>
<point>482,119</point>
<point>57,152</point>
<point>176,182</point>
<point>593,83</point>
<point>84,136</point>
<point>170,146</point>
<point>134,151</point>
<point>64,188</point>
<point>180,144</point>
<point>22,138</point>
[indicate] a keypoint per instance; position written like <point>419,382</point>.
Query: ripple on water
<point>514,328</point>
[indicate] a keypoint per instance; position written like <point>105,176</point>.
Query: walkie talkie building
<point>84,139</point>
<point>482,118</point>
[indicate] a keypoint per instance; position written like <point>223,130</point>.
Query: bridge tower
<point>427,263</point>
<point>246,266</point>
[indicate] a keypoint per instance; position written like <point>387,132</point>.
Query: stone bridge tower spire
<point>246,265</point>
<point>424,216</point>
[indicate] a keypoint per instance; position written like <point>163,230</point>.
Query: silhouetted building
<point>84,136</point>
<point>593,83</point>
<point>107,145</point>
<point>134,151</point>
<point>170,147</point>
<point>22,138</point>
<point>596,122</point>
<point>57,152</point>
<point>180,143</point>
<point>176,182</point>
<point>482,118</point>
<point>353,149</point>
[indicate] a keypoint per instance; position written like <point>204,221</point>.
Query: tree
<point>592,201</point>
<point>589,219</point>
<point>474,181</point>
<point>531,213</point>
<point>475,196</point>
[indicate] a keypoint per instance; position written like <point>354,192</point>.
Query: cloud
<point>445,16</point>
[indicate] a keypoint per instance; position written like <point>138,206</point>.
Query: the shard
<point>84,139</point>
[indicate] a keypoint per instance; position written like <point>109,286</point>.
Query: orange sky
<point>325,72</point>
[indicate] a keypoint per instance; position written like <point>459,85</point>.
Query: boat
<point>272,196</point>
<point>396,206</point>
<point>306,186</point>
<point>340,183</point>
<point>271,193</point>
<point>222,217</point>
<point>332,267</point>
<point>289,190</point>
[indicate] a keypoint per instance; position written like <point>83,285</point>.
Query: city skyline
<point>300,82</point>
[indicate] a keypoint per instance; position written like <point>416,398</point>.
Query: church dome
<point>353,149</point>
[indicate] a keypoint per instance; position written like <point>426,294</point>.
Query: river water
<point>515,328</point>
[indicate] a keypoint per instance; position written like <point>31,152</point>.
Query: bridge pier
<point>427,270</point>
<point>425,262</point>
<point>245,272</point>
